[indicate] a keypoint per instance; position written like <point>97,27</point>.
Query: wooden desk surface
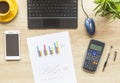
<point>108,32</point>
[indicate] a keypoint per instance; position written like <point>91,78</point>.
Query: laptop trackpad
<point>51,22</point>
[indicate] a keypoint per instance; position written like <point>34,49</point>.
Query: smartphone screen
<point>12,45</point>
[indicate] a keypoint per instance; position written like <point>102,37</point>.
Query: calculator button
<point>88,54</point>
<point>99,56</point>
<point>94,53</point>
<point>94,56</point>
<point>99,53</point>
<point>95,67</point>
<point>89,50</point>
<point>95,63</point>
<point>97,59</point>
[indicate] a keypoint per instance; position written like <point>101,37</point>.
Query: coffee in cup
<point>4,7</point>
<point>8,10</point>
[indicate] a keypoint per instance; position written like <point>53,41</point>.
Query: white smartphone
<point>12,45</point>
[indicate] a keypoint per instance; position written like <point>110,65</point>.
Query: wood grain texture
<point>106,31</point>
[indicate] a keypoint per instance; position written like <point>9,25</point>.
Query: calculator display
<point>95,47</point>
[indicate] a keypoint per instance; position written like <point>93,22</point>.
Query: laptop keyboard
<point>52,8</point>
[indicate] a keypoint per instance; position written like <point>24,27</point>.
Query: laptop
<point>52,14</point>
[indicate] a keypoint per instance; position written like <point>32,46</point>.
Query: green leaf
<point>114,1</point>
<point>98,1</point>
<point>111,8</point>
<point>117,7</point>
<point>97,7</point>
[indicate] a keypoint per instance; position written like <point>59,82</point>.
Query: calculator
<point>93,55</point>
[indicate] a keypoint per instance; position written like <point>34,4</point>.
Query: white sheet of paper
<point>51,58</point>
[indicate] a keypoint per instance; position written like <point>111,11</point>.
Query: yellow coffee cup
<point>6,6</point>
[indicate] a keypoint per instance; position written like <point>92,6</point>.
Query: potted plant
<point>108,8</point>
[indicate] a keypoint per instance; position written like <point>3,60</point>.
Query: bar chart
<point>46,49</point>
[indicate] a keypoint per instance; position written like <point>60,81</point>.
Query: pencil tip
<point>103,70</point>
<point>111,46</point>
